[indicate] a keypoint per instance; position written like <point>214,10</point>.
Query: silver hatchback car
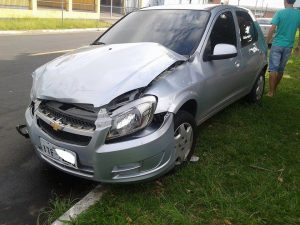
<point>126,107</point>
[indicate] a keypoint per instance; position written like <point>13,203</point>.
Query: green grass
<point>57,207</point>
<point>37,24</point>
<point>248,173</point>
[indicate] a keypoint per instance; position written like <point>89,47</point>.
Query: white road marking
<point>89,200</point>
<point>53,52</point>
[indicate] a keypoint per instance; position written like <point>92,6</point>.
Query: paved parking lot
<point>26,185</point>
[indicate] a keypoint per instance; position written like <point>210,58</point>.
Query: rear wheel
<point>184,136</point>
<point>257,91</point>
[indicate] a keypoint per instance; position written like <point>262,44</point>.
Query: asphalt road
<point>26,185</point>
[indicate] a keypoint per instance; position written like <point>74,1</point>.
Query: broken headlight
<point>132,117</point>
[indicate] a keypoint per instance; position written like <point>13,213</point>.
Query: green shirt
<point>287,21</point>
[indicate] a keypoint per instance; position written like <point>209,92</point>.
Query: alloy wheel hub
<point>183,137</point>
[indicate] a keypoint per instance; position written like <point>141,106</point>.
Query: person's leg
<point>279,77</point>
<point>284,59</point>
<point>272,83</point>
<point>275,59</point>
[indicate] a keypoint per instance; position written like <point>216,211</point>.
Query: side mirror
<point>223,51</point>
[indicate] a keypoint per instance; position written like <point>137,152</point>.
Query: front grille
<point>62,135</point>
<point>60,111</point>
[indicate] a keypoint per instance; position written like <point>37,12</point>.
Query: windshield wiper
<point>98,43</point>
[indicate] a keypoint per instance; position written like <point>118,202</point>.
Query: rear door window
<point>248,32</point>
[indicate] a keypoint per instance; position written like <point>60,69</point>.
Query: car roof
<point>207,7</point>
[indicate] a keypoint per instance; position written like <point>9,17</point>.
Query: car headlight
<point>132,117</point>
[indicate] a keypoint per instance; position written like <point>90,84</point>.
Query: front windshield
<point>178,30</point>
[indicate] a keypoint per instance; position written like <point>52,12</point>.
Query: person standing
<point>284,24</point>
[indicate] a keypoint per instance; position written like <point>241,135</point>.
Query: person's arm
<point>275,22</point>
<point>271,33</point>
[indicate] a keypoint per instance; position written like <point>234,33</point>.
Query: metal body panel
<point>89,76</point>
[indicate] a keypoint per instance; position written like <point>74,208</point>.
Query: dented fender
<point>176,87</point>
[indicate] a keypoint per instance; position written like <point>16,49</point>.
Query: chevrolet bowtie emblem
<point>56,126</point>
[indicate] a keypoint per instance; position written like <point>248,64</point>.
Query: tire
<point>185,136</point>
<point>257,90</point>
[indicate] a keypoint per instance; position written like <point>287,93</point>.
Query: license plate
<point>58,154</point>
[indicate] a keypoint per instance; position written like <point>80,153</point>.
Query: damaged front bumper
<point>126,160</point>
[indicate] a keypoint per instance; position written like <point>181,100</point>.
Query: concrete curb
<point>90,199</point>
<point>38,32</point>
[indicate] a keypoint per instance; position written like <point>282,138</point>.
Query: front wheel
<point>257,91</point>
<point>184,136</point>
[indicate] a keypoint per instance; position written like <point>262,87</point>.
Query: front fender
<point>180,100</point>
<point>176,87</point>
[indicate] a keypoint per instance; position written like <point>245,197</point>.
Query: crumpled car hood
<point>97,74</point>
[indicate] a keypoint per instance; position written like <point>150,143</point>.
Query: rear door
<point>248,37</point>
